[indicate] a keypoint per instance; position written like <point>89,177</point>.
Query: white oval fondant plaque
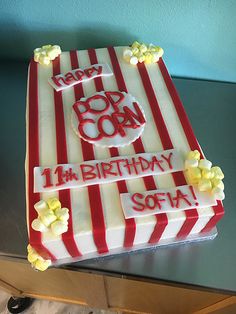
<point>108,119</point>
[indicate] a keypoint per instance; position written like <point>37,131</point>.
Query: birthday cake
<point>112,162</point>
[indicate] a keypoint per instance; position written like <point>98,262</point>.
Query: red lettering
<point>59,172</point>
<point>181,197</point>
<point>150,201</point>
<point>77,108</point>
<point>118,162</point>
<point>83,134</point>
<point>89,72</point>
<point>102,100</point>
<point>134,198</point>
<point>88,172</point>
<point>111,97</point>
<point>101,129</point>
<point>57,79</point>
<point>69,175</point>
<point>132,165</point>
<point>98,171</point>
<point>156,162</point>
<point>170,199</point>
<point>138,116</point>
<point>69,78</point>
<point>106,169</point>
<point>159,200</point>
<point>121,120</point>
<point>79,74</point>
<point>144,163</point>
<point>47,173</point>
<point>168,160</point>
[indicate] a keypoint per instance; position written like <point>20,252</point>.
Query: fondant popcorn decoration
<point>37,262</point>
<point>51,217</point>
<point>46,54</point>
<point>140,52</point>
<point>201,173</point>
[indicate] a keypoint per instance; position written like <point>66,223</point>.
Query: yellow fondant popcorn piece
<point>46,54</point>
<point>218,174</point>
<point>53,203</point>
<point>204,185</point>
<point>140,52</point>
<point>42,265</point>
<point>201,173</point>
<point>135,44</point>
<point>191,163</point>
<point>36,260</point>
<point>48,219</point>
<point>194,175</point>
<point>207,174</point>
<point>193,154</point>
<point>135,51</point>
<point>51,217</point>
<point>218,183</point>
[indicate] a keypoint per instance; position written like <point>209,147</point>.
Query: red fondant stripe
<point>35,238</point>
<point>62,158</point>
<point>179,179</point>
<point>149,182</point>
<point>98,223</point>
<point>193,143</point>
<point>130,226</point>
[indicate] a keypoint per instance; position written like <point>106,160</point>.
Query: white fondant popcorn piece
<point>205,164</point>
<point>37,262</point>
<point>218,193</point>
<point>133,60</point>
<point>38,225</point>
<point>191,163</point>
<point>40,206</point>
<point>62,214</point>
<point>127,54</point>
<point>59,227</point>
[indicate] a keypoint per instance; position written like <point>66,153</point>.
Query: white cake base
<point>166,242</point>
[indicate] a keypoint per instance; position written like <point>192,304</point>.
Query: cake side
<point>97,222</point>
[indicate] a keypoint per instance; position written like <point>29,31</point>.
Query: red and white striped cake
<point>96,224</point>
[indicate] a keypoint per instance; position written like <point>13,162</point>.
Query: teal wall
<point>198,36</point>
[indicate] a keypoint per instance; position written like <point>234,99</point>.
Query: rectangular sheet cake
<point>96,223</point>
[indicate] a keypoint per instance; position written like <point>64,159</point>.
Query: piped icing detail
<point>139,53</point>
<point>200,172</point>
<point>51,217</point>
<point>37,262</point>
<point>46,54</point>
